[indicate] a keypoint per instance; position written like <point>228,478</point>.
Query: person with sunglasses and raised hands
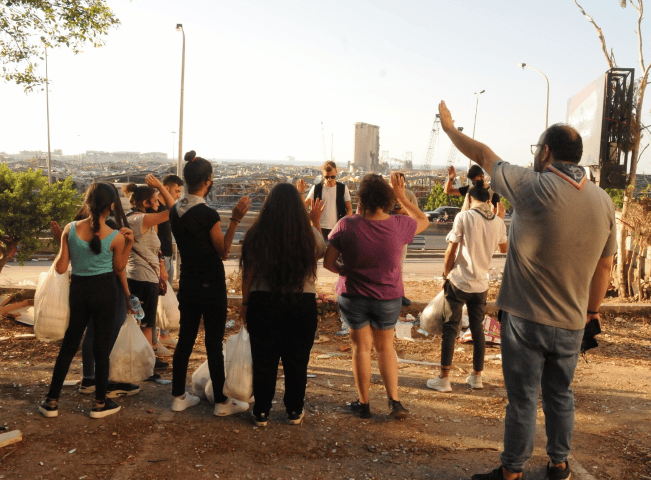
<point>335,197</point>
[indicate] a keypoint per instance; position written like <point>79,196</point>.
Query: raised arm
<point>153,182</point>
<point>222,243</point>
<point>449,183</point>
<point>471,148</point>
<point>398,184</point>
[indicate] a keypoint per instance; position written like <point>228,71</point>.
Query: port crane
<point>433,140</point>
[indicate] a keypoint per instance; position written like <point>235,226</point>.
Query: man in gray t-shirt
<point>561,245</point>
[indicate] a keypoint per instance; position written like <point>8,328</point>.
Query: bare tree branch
<point>640,11</point>
<point>609,59</point>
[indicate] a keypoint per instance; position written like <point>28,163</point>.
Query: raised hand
<point>301,186</point>
<point>446,117</point>
<point>241,208</point>
<point>316,209</point>
<point>153,182</point>
<point>452,173</point>
<point>128,235</point>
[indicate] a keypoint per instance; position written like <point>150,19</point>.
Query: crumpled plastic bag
<point>431,319</point>
<point>132,358</point>
<point>239,366</point>
<point>200,379</point>
<point>168,316</point>
<point>51,306</point>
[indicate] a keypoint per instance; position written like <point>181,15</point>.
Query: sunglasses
<point>330,177</point>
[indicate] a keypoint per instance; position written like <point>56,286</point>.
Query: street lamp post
<point>173,144</point>
<point>523,66</point>
<point>47,103</point>
<point>474,125</point>
<point>179,28</point>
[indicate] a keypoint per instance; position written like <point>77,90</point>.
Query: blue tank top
<point>83,260</point>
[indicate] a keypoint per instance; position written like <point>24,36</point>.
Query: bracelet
<point>590,312</point>
<point>233,220</point>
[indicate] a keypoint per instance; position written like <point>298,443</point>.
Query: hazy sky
<point>261,76</point>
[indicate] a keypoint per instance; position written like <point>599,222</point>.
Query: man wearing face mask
<point>335,196</point>
<point>561,245</point>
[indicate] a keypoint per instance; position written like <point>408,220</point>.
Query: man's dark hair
<point>171,178</point>
<point>474,172</point>
<point>479,191</point>
<point>564,143</point>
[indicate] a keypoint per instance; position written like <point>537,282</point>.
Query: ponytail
<point>99,198</point>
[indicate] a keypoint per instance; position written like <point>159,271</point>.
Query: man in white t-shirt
<point>335,196</point>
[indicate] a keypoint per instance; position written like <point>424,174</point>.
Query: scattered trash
<point>322,339</point>
<point>345,348</point>
<point>423,332</point>
<point>230,324</point>
<point>73,450</point>
<point>10,438</point>
<point>162,381</point>
<point>492,330</point>
<point>403,330</point>
<point>417,362</point>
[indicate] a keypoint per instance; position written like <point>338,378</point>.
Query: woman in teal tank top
<point>95,251</point>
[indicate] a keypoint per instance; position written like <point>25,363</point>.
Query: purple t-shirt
<point>371,251</point>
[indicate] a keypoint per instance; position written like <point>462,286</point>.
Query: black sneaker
<point>406,302</point>
<point>115,390</point>
<point>558,473</point>
<point>296,418</point>
<point>104,409</point>
<point>87,385</point>
<point>160,365</point>
<point>496,474</point>
<point>49,408</point>
<point>397,410</point>
<point>362,410</point>
<point>260,420</point>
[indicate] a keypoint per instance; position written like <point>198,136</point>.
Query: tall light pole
<point>524,65</point>
<point>47,103</point>
<point>173,144</point>
<point>179,172</point>
<point>474,125</point>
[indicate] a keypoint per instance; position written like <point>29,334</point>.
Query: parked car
<point>443,214</point>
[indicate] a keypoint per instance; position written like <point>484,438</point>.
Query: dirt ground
<point>448,436</point>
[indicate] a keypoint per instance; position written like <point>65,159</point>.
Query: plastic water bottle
<point>135,305</point>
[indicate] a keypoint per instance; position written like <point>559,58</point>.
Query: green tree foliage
<point>27,26</point>
<point>27,205</point>
<point>617,196</point>
<point>438,198</point>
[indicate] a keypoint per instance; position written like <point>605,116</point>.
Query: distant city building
<point>367,147</point>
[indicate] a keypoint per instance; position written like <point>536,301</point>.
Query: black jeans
<point>476,303</point>
<point>281,328</point>
<point>197,299</point>
<point>92,299</point>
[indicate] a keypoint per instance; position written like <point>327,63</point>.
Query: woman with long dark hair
<point>95,251</point>
<point>279,265</point>
<point>370,284</point>
<point>197,229</point>
<point>146,263</point>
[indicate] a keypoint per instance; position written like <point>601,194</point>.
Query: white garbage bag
<point>51,306</point>
<point>168,316</point>
<point>132,358</point>
<point>200,378</point>
<point>239,372</point>
<point>431,319</point>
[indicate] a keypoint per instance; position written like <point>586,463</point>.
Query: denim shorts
<point>358,312</point>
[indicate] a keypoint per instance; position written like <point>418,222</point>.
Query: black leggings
<point>92,299</point>
<point>197,299</point>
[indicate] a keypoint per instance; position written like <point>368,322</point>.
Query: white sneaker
<point>231,407</point>
<point>187,400</point>
<point>475,381</point>
<point>162,350</point>
<point>168,340</point>
<point>440,384</point>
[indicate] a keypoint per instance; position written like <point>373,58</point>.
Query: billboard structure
<point>602,114</point>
